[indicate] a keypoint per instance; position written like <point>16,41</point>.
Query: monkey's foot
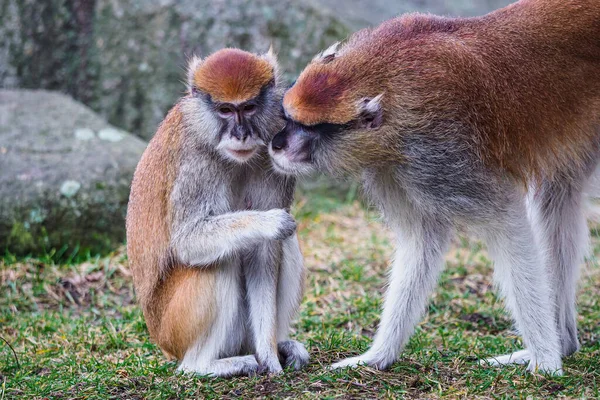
<point>550,366</point>
<point>521,357</point>
<point>293,353</point>
<point>270,366</point>
<point>366,359</point>
<point>546,367</point>
<point>224,368</point>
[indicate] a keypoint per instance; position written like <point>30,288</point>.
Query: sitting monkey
<point>215,259</point>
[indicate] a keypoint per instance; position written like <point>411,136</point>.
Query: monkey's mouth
<point>241,154</point>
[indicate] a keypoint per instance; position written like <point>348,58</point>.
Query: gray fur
<point>435,182</point>
<point>234,216</point>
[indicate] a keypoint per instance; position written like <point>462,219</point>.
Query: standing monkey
<point>458,122</point>
<point>215,259</point>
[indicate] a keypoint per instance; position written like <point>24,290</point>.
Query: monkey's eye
<point>225,110</point>
<point>248,108</point>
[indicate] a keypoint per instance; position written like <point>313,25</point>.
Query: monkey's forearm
<point>203,240</point>
<point>261,266</point>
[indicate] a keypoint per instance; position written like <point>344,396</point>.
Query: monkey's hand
<point>279,224</point>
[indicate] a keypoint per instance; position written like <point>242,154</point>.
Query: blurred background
<point>84,84</point>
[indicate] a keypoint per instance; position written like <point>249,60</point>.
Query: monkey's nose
<point>240,133</point>
<point>279,141</point>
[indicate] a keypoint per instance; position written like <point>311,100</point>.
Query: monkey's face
<point>330,146</point>
<point>237,96</point>
<point>335,118</point>
<point>245,127</point>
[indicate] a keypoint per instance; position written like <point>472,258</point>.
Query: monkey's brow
<point>260,99</point>
<point>324,128</point>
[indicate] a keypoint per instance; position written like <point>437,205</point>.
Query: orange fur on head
<point>320,95</point>
<point>331,88</point>
<point>232,75</point>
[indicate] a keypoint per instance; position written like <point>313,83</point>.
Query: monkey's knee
<point>176,339</point>
<point>187,312</point>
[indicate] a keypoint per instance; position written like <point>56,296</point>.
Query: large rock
<point>125,59</point>
<point>64,174</point>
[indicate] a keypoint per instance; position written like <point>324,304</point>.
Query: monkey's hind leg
<point>523,281</point>
<point>420,245</point>
<point>290,288</point>
<point>559,217</point>
<point>215,350</point>
<point>203,357</point>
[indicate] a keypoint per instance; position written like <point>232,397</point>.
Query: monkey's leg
<point>421,244</point>
<point>523,281</point>
<point>558,216</point>
<point>212,350</point>
<point>290,288</point>
<point>261,269</point>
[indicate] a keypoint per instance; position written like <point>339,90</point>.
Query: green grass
<point>78,333</point>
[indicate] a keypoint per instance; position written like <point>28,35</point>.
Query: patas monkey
<point>457,122</point>
<point>216,263</point>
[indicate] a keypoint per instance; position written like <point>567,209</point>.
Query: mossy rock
<point>126,59</point>
<point>64,175</point>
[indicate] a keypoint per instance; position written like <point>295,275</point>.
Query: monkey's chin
<point>284,167</point>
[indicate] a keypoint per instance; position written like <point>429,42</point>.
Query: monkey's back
<point>540,85</point>
<point>164,290</point>
<point>519,86</point>
<point>523,82</point>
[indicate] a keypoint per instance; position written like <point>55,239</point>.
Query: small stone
<point>70,188</point>
<point>84,134</point>
<point>110,135</point>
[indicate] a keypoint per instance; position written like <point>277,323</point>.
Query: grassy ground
<point>77,332</point>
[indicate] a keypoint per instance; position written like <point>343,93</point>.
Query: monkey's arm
<point>261,265</point>
<point>202,240</point>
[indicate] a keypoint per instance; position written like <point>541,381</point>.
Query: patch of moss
<point>20,237</point>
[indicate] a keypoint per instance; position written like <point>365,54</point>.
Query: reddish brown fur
<point>165,292</point>
<point>184,318</point>
<point>523,81</point>
<point>232,75</point>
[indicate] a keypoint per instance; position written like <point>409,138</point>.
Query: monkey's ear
<point>193,64</point>
<point>370,112</point>
<point>328,54</point>
<point>271,58</point>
